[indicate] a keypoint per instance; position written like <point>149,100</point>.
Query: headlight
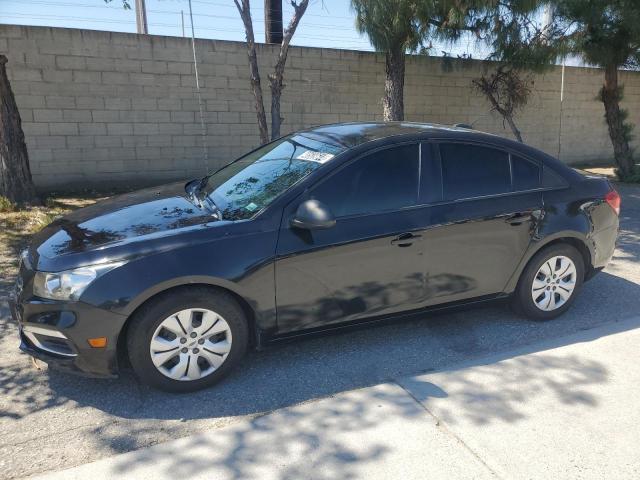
<point>70,284</point>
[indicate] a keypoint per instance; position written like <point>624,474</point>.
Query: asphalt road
<point>50,421</point>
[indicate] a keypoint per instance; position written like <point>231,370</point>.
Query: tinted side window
<point>474,171</point>
<point>526,174</point>
<point>383,181</point>
<point>551,179</point>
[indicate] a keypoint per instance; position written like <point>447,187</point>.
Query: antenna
<point>195,68</point>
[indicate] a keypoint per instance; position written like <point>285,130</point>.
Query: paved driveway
<point>50,421</point>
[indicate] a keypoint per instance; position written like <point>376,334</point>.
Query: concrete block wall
<point>122,108</point>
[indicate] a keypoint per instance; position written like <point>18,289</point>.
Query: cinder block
<point>30,101</point>
<point>120,128</point>
<point>149,66</point>
<point>64,62</point>
<point>60,102</point>
<point>142,103</point>
<point>141,79</point>
<point>76,115</point>
<point>86,76</point>
<point>63,129</point>
<point>115,78</point>
<point>32,129</point>
<point>40,115</point>
<point>107,141</point>
<point>28,75</point>
<point>92,129</point>
<point>117,103</point>
<point>50,142</point>
<point>182,117</point>
<point>145,129</point>
<point>157,116</point>
<point>85,141</point>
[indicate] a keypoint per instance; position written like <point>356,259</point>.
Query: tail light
<point>613,199</point>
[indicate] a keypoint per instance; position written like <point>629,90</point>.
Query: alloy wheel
<point>554,283</point>
<point>190,344</point>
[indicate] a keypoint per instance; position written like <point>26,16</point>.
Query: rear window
<point>526,174</point>
<point>473,171</point>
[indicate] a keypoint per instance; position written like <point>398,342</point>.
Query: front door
<point>369,263</point>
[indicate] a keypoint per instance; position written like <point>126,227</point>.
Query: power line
<point>116,8</point>
<point>214,29</point>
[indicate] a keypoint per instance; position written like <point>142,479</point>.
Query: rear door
<point>491,202</point>
<point>370,262</point>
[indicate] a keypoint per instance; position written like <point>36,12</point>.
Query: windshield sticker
<point>320,157</point>
<point>251,207</point>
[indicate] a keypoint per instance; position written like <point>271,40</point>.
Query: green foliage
<point>633,177</point>
<point>409,25</point>
<point>6,205</point>
<point>602,32</point>
<point>125,4</point>
<point>514,33</point>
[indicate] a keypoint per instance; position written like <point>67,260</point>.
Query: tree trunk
<point>15,176</point>
<point>256,85</point>
<point>393,101</point>
<point>618,131</point>
<point>277,77</point>
<point>514,128</point>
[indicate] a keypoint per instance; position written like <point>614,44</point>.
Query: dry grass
<point>17,226</point>
<point>604,171</point>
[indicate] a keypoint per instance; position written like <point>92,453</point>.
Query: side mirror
<point>313,215</point>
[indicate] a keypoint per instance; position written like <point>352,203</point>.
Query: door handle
<point>405,240</point>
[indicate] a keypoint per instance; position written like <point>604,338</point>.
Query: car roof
<point>350,135</point>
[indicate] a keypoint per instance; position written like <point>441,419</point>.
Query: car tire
<point>150,319</point>
<point>534,301</point>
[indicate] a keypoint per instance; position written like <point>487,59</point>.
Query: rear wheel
<point>187,339</point>
<point>550,283</point>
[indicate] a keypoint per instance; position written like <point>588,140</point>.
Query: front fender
<point>243,265</point>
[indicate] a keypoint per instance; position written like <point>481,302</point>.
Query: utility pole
<point>141,17</point>
<point>273,21</point>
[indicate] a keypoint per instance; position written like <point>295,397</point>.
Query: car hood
<point>109,228</point>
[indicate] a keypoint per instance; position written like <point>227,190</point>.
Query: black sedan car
<point>324,228</point>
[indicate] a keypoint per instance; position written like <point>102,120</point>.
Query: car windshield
<point>251,183</point>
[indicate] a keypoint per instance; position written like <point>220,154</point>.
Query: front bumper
<point>57,333</point>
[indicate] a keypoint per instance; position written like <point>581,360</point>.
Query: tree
<point>16,183</point>
<point>392,28</point>
<point>606,33</point>
<point>520,45</point>
<point>276,79</point>
<point>396,27</point>
<point>508,90</point>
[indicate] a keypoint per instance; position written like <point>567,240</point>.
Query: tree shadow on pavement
<point>325,441</point>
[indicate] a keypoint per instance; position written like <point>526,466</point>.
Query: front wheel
<point>550,283</point>
<point>187,339</point>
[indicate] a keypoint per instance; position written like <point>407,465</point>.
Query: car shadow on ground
<point>292,373</point>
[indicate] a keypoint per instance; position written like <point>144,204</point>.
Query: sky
<point>327,23</point>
